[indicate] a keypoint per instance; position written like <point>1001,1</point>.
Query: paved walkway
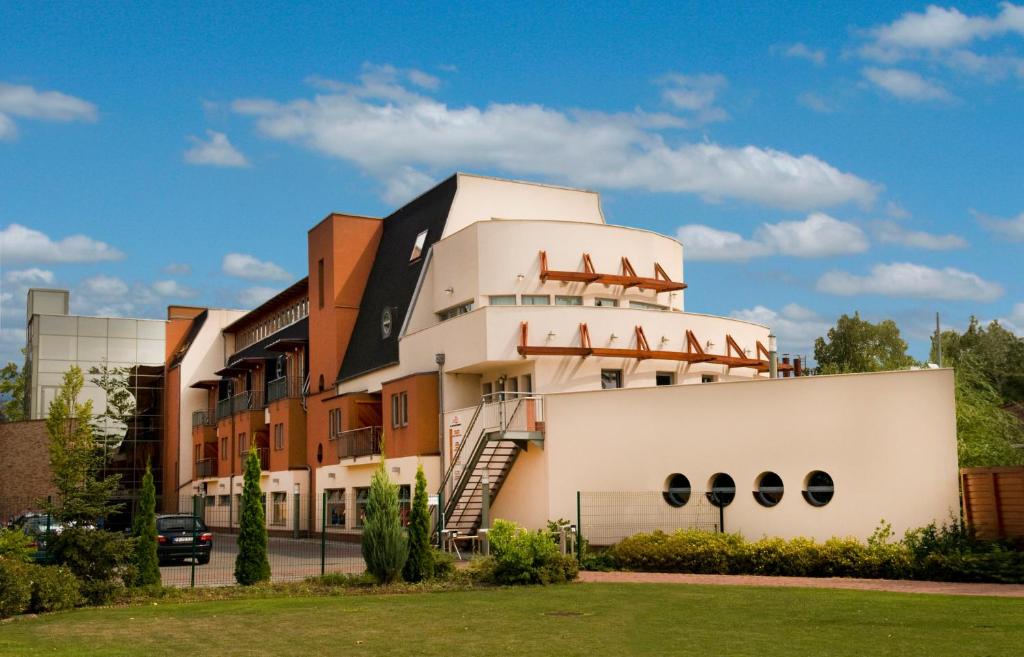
<point>890,585</point>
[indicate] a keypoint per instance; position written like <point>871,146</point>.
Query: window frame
<point>568,300</point>
<point>599,302</point>
<point>504,298</point>
<point>677,496</point>
<point>671,378</point>
<point>618,379</point>
<point>533,298</point>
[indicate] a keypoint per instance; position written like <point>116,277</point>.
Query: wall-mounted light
<point>520,277</point>
<point>551,335</point>
<point>664,339</point>
<point>449,290</point>
<point>708,345</point>
<point>614,337</point>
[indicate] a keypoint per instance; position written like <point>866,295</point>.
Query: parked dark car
<point>41,529</point>
<point>175,536</point>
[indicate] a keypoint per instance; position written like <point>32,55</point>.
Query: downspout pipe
<point>440,359</point>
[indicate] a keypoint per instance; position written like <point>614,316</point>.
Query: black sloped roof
<point>393,277</point>
<point>298,330</point>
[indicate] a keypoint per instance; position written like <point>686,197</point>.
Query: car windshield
<point>179,524</point>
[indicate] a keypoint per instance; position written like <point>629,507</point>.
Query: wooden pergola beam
<point>628,278</point>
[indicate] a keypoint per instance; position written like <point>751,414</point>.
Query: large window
<point>336,507</point>
<point>362,497</point>
<point>536,300</point>
<point>455,311</point>
<point>723,490</point>
<point>565,300</point>
<point>278,508</point>
<point>769,489</point>
<point>502,299</point>
<point>611,379</point>
<point>399,409</point>
<point>677,490</point>
<point>820,488</point>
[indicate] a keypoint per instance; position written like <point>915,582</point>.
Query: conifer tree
<point>147,565</point>
<point>420,564</point>
<point>385,548</point>
<point>251,564</point>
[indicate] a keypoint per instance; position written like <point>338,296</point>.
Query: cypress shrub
<point>384,545</point>
<point>420,564</point>
<point>251,564</point>
<point>147,566</point>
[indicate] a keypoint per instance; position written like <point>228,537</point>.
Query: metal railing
<point>223,409</point>
<point>365,441</point>
<point>264,455</point>
<point>203,418</point>
<point>283,387</point>
<point>206,467</point>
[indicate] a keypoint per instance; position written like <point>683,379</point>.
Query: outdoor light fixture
<point>664,339</point>
<point>520,277</point>
<point>551,335</point>
<point>708,345</point>
<point>614,337</point>
<point>771,342</point>
<point>450,290</point>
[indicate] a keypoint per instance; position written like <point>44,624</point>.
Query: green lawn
<point>577,619</point>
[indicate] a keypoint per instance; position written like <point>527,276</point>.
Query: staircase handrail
<point>462,445</point>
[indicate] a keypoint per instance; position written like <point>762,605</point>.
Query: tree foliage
<point>420,564</point>
<point>385,548</point>
<point>857,345</point>
<point>13,380</point>
<point>987,435</point>
<point>76,459</point>
<point>997,353</point>
<point>147,564</point>
<point>251,564</point>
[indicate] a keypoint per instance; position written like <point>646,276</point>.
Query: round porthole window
<point>769,489</point>
<point>386,323</point>
<point>722,490</point>
<point>677,490</point>
<point>819,488</point>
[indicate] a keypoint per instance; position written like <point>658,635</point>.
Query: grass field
<point>578,619</point>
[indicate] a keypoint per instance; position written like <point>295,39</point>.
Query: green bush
<point>683,551</point>
<point>384,544</point>
<point>252,564</point>
<point>98,558</point>
<point>443,564</point>
<point>951,552</point>
<point>14,544</point>
<point>54,588</point>
<point>419,565</point>
<point>15,587</point>
<point>522,557</point>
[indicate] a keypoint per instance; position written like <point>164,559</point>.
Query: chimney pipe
<point>798,367</point>
<point>786,373</point>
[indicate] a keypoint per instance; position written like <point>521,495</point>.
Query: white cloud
<point>22,244</point>
<point>891,232</point>
<point>251,297</point>
<point>816,102</point>
<point>216,151</point>
<point>904,84</point>
<point>29,103</point>
<point>244,265</point>
<point>8,130</point>
<point>903,279</point>
<point>383,127</point>
<point>1015,322</point>
<point>696,95</point>
<point>29,277</point>
<point>178,268</point>
<point>1011,229</point>
<point>424,80</point>
<point>939,28</point>
<point>817,236</point>
<point>895,210</point>
<point>172,288</point>
<point>801,51</point>
<point>795,327</point>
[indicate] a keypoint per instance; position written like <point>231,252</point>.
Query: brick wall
<point>24,465</point>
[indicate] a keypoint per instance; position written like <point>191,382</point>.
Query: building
<point>501,331</point>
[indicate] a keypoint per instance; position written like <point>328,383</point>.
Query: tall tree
<point>987,435</point>
<point>251,564</point>
<point>76,458</point>
<point>13,380</point>
<point>857,345</point>
<point>147,564</point>
<point>420,564</point>
<point>996,351</point>
<point>384,546</point>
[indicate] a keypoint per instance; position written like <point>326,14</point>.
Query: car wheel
<point>204,560</point>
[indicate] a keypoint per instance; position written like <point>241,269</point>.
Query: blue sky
<point>814,160</point>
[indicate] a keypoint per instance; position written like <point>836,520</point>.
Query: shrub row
<point>522,557</point>
<point>944,554</point>
<point>26,587</point>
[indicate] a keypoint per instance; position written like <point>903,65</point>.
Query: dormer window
<point>417,247</point>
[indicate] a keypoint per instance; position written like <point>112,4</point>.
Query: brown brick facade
<point>24,466</point>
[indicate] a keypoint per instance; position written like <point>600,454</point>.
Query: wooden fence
<point>994,501</point>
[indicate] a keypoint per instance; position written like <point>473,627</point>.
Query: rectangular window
<point>278,508</point>
<point>223,500</point>
<point>513,387</point>
<point>455,311</point>
<point>486,390</point>
<point>241,444</point>
<point>320,281</point>
<point>611,379</point>
<point>643,305</point>
<point>336,507</point>
<point>223,449</point>
<point>604,302</point>
<point>536,299</point>
<point>279,436</point>
<point>708,378</point>
<point>665,378</point>
<point>417,247</point>
<point>502,299</point>
<point>334,421</point>
<point>404,504</point>
<point>563,300</point>
<point>399,409</point>
<point>362,497</point>
<point>526,383</point>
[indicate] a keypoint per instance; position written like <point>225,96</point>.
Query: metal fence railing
<point>605,518</point>
<point>204,418</point>
<point>365,441</point>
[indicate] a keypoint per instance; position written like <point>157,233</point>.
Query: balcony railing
<point>203,418</point>
<point>223,409</point>
<point>365,441</point>
<point>206,467</point>
<point>284,387</point>
<point>251,400</point>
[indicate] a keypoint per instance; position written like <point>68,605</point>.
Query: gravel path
<point>890,585</point>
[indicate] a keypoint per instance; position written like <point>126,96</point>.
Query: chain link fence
<point>605,518</point>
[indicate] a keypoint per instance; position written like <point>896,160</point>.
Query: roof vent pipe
<point>786,371</point>
<point>798,367</point>
<point>773,357</point>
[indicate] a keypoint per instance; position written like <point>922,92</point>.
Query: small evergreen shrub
<point>98,558</point>
<point>252,564</point>
<point>419,565</point>
<point>54,588</point>
<point>522,557</point>
<point>384,545</point>
<point>15,587</point>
